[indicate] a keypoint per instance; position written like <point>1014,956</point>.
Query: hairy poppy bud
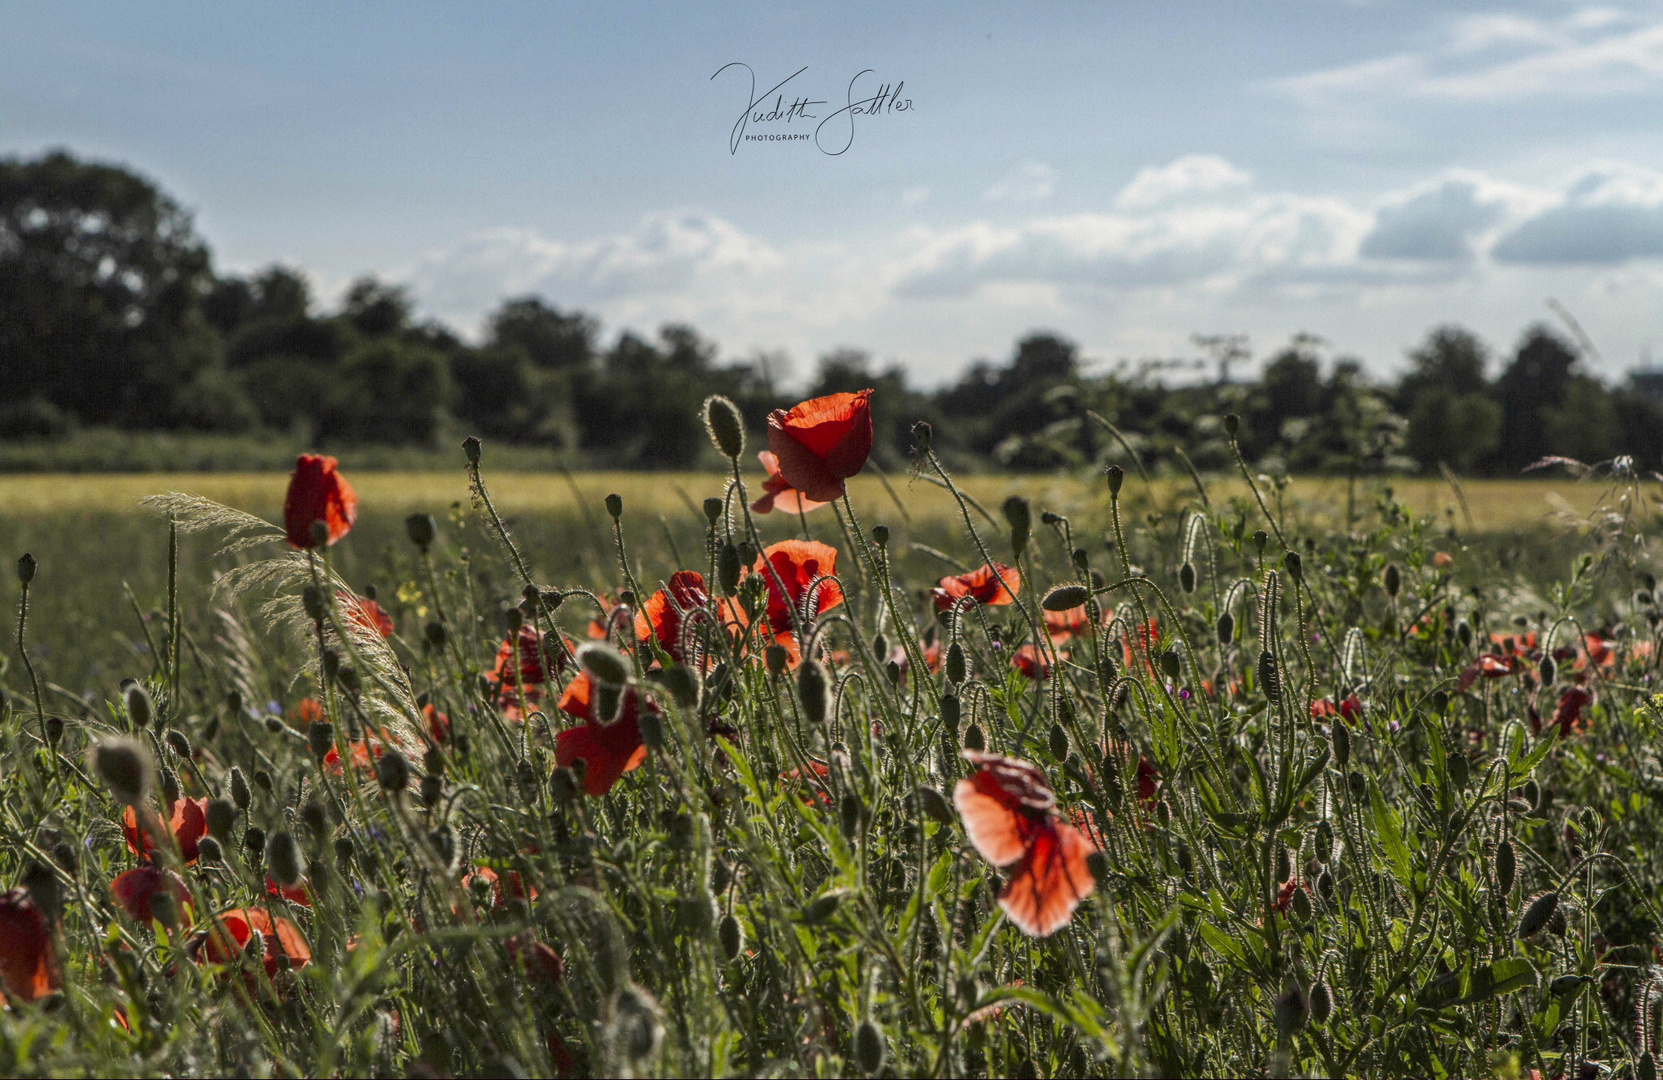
<point>651,725</point>
<point>683,687</point>
<point>1294,565</point>
<point>320,533</point>
<point>814,689</point>
<point>636,1029</point>
<point>604,664</point>
<point>513,618</point>
<point>1340,739</point>
<point>1260,539</point>
<point>1323,841</point>
<point>1392,579</point>
<point>1463,633</point>
<point>973,739</point>
<point>125,767</point>
<point>1270,679</point>
<point>727,568</point>
<point>432,788</point>
<point>254,842</point>
<point>1284,864</point>
<point>1226,628</point>
<point>1322,1003</point>
<point>1172,665</point>
<point>615,506</point>
<point>1019,516</point>
<point>849,813</point>
<point>880,536</point>
<point>177,742</point>
<point>1117,477</point>
<point>343,849</point>
<point>239,789</point>
<point>1301,905</point>
<point>1059,742</point>
<point>951,711</point>
<point>1457,769</point>
<point>869,1048</point>
<point>421,528</point>
<point>725,425</point>
<point>26,568</point>
<point>283,859</point>
<point>922,434</point>
<point>1537,913</point>
<point>470,448</point>
<point>1548,670</point>
<point>1325,885</point>
<point>435,634</point>
<point>320,737</point>
<point>776,658</point>
<point>731,937</point>
<point>1356,784</point>
<point>209,851</point>
<point>311,599</point>
<point>1291,1011</point>
<point>1506,867</point>
<point>392,771</point>
<point>934,805</point>
<point>1646,1067</point>
<point>139,708</point>
<point>1186,577</point>
<point>1064,597</point>
<point>1532,792</point>
<point>1232,425</point>
<point>892,671</point>
<point>315,817</point>
<point>713,511</point>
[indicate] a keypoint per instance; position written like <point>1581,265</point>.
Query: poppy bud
<point>721,877</point>
<point>421,529</point>
<point>973,738</point>
<point>320,737</point>
<point>1294,566</point>
<point>470,448</point>
<point>222,817</point>
<point>604,664</point>
<point>1646,1067</point>
<point>776,659</point>
<point>849,813</point>
<point>513,618</point>
<point>725,425</point>
<point>262,780</point>
<point>934,805</point>
<point>320,533</point>
<point>1457,769</point>
<point>239,789</point>
<point>615,506</point>
<point>1270,680</point>
<point>1098,865</point>
<point>1537,913</point>
<point>283,859</point>
<point>1186,577</point>
<point>922,434</point>
<point>1322,1003</point>
<point>1301,905</point>
<point>392,771</point>
<point>25,568</point>
<point>880,536</point>
<point>1325,885</point>
<point>209,851</point>
<point>951,712</point>
<point>731,937</point>
<point>651,725</point>
<point>1081,559</point>
<point>635,1030</point>
<point>892,671</point>
<point>1392,579</point>
<point>1339,737</point>
<point>565,785</point>
<point>869,1048</point>
<point>1548,670</point>
<point>813,689</point>
<point>1356,784</point>
<point>125,767</point>
<point>1506,866</point>
<point>1172,665</point>
<point>432,788</point>
<point>139,709</point>
<point>177,742</point>
<point>1291,1011</point>
<point>1117,477</point>
<point>727,567</point>
<point>1532,792</point>
<point>1284,864</point>
<point>1324,841</point>
<point>343,849</point>
<point>1260,539</point>
<point>1232,424</point>
<point>169,785</point>
<point>1064,597</point>
<point>315,817</point>
<point>1463,633</point>
<point>1226,628</point>
<point>254,841</point>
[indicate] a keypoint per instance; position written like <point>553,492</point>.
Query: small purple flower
<point>1184,694</point>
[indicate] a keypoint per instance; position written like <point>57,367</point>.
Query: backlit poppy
<point>666,611</point>
<point>994,585</point>
<point>505,887</point>
<point>1010,814</point>
<point>1032,663</point>
<point>188,824</point>
<point>1569,713</point>
<point>607,750</point>
<point>28,963</point>
<point>366,613</point>
<point>317,492</point>
<point>1350,708</point>
<point>438,724</point>
<point>1139,644</point>
<point>815,791</point>
<point>798,565</point>
<point>540,961</point>
<point>235,928</point>
<point>135,889</point>
<point>1491,666</point>
<point>536,659</point>
<point>1062,625</point>
<point>299,893</point>
<point>822,442</point>
<point>777,493</point>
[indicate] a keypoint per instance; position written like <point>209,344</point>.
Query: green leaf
<point>1501,977</point>
<point>1389,827</point>
<point>1221,942</point>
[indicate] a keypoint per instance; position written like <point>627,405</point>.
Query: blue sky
<point>1128,174</point>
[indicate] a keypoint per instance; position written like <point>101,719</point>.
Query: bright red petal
<point>1050,881</point>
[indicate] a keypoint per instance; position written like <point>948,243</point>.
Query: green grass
<point>716,916</point>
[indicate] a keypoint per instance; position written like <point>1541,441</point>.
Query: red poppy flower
<point>1569,713</point>
<point>28,963</point>
<point>135,889</point>
<point>1032,663</point>
<point>438,724</point>
<point>541,962</point>
<point>1062,625</point>
<point>308,710</point>
<point>666,610</point>
<point>815,792</point>
<point>598,628</point>
<point>1514,642</point>
<point>1140,643</point>
<point>188,824</point>
<point>1491,666</point>
<point>1442,560</point>
<point>533,669</point>
<point>234,929</point>
<point>1010,814</point>
<point>299,893</point>
<point>1350,709</point>
<point>1601,651</point>
<point>366,613</point>
<point>364,752</point>
<point>994,585</point>
<point>505,887</point>
<point>822,442</point>
<point>318,493</point>
<point>799,565</point>
<point>1284,895</point>
<point>777,493</point>
<point>607,750</point>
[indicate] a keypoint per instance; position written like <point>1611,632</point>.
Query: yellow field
<point>1493,504</point>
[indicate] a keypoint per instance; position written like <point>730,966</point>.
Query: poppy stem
<point>29,665</point>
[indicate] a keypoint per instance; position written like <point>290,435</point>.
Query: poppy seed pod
<point>1339,738</point>
<point>1117,477</point>
<point>814,690</point>
<point>615,506</point>
<point>1537,913</point>
<point>1019,516</point>
<point>470,448</point>
<point>177,742</point>
<point>1646,1067</point>
<point>1232,424</point>
<point>1294,565</point>
<point>421,529</point>
<point>125,767</point>
<point>713,511</point>
<point>139,710</point>
<point>1270,679</point>
<point>1186,577</point>
<point>320,737</point>
<point>731,937</point>
<point>776,659</point>
<point>1059,742</point>
<point>221,817</point>
<point>922,434</point>
<point>1506,867</point>
<point>1226,628</point>
<point>1392,579</point>
<point>727,568</point>
<point>725,425</point>
<point>283,859</point>
<point>25,568</point>
<point>1322,1003</point>
<point>1548,670</point>
<point>239,789</point>
<point>604,664</point>
<point>869,1048</point>
<point>973,739</point>
<point>1064,597</point>
<point>393,772</point>
<point>880,536</point>
<point>1172,665</point>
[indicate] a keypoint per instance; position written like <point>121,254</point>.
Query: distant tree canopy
<point>111,314</point>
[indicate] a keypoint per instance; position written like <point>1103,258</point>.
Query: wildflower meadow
<point>1204,785</point>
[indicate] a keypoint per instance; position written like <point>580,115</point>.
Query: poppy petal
<point>1050,881</point>
<point>994,827</point>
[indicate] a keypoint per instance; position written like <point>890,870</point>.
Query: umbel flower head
<point>822,442</point>
<point>317,492</point>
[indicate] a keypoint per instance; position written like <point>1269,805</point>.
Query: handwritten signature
<point>833,134</point>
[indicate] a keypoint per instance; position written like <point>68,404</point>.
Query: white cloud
<point>1033,182</point>
<point>1610,213</point>
<point>1188,176</point>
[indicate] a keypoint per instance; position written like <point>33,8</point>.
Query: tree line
<point>112,315</point>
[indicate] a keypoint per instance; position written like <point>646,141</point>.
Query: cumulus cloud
<point>1446,218</point>
<point>1612,213</point>
<point>1033,182</point>
<point>1189,176</point>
